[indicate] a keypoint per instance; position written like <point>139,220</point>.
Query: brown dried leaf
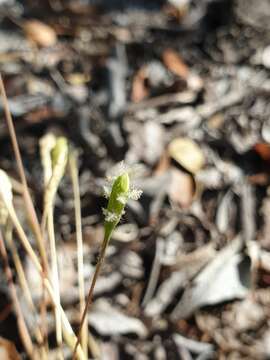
<point>41,34</point>
<point>182,188</point>
<point>139,89</point>
<point>175,64</point>
<point>163,164</point>
<point>8,350</point>
<point>187,153</point>
<point>263,150</point>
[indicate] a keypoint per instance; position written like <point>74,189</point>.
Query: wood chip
<point>40,33</point>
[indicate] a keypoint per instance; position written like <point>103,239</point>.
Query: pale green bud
<point>117,201</point>
<point>118,194</point>
<point>60,153</point>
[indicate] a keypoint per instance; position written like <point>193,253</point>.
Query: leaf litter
<point>168,84</point>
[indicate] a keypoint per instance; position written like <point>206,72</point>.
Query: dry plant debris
<point>180,87</point>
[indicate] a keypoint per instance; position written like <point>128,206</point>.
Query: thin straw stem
<point>91,292</point>
<point>32,216</point>
<point>73,166</point>
<point>24,285</point>
<point>27,198</point>
<point>55,280</point>
<point>68,333</point>
<point>25,336</point>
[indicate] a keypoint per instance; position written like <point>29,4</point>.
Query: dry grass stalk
<point>32,216</point>
<point>47,144</point>
<point>24,286</point>
<point>25,336</point>
<point>73,167</point>
<point>68,333</point>
<point>27,198</point>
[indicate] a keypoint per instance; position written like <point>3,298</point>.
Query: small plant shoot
<point>118,192</point>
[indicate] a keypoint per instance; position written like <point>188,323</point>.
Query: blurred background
<point>182,88</point>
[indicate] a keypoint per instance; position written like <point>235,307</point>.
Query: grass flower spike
<point>119,191</point>
<point>117,201</point>
<point>118,194</point>
<point>54,153</point>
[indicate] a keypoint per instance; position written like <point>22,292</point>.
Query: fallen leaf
<point>265,237</point>
<point>177,11</point>
<point>153,141</point>
<point>245,315</point>
<point>139,89</point>
<point>78,78</point>
<point>185,115</point>
<point>224,212</point>
<point>147,142</point>
<point>8,350</point>
<point>108,320</point>
<point>190,264</point>
<point>109,351</point>
<point>175,64</point>
<point>126,233</point>
<point>40,33</point>
<point>266,343</point>
<point>216,121</point>
<point>266,57</point>
<point>39,115</point>
<point>131,265</point>
<point>225,278</point>
<point>261,179</point>
<point>181,188</point>
<point>187,154</point>
<point>194,346</point>
<point>263,150</point>
<point>163,164</point>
